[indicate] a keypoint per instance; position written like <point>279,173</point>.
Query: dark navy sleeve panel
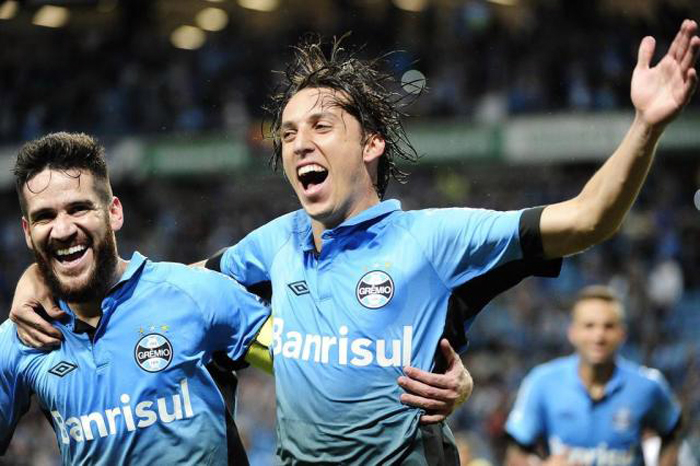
<point>214,262</point>
<point>231,315</point>
<point>530,234</point>
<point>250,260</point>
<point>14,395</point>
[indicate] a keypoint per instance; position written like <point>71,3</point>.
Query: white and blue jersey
<point>375,299</point>
<point>554,407</point>
<point>136,390</point>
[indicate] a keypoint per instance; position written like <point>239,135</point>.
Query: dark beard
<point>98,283</point>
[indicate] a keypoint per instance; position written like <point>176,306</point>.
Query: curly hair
<point>62,151</point>
<point>365,94</point>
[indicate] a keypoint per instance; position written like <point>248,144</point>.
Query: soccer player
<point>593,407</point>
<point>130,384</point>
<point>361,288</point>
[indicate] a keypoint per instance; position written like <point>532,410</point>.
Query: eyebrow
<point>49,210</point>
<point>313,117</point>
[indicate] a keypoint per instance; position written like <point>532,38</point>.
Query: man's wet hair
<point>65,152</point>
<point>365,92</point>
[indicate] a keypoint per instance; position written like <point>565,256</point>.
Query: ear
<point>374,148</point>
<point>571,334</point>
<point>27,234</point>
<point>116,214</point>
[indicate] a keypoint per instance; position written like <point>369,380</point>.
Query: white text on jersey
<point>80,428</point>
<point>356,352</point>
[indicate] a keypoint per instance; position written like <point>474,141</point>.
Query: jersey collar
<point>614,384</point>
<point>373,214</point>
<point>134,266</point>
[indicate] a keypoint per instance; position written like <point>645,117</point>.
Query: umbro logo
<point>62,368</point>
<point>299,288</point>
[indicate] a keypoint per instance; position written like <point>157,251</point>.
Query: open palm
<point>659,93</point>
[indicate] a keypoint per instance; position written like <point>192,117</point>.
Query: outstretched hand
<point>438,394</point>
<point>32,300</point>
<point>659,93</point>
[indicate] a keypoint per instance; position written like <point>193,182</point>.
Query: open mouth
<point>71,254</point>
<point>312,175</point>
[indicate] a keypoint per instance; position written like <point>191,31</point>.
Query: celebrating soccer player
<point>130,384</point>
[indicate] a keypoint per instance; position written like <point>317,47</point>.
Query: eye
<point>323,126</point>
<point>288,135</point>
<point>79,209</point>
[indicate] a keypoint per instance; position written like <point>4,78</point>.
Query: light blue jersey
<point>138,391</point>
<point>347,320</point>
<point>553,406</point>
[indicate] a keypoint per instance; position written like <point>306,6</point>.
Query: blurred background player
<point>132,382</point>
<point>593,407</point>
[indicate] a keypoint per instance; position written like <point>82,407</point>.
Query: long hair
<point>365,92</point>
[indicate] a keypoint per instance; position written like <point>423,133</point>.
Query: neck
<point>90,312</point>
<point>318,226</point>
<point>595,377</point>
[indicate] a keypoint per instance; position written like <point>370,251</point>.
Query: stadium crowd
<point>480,64</point>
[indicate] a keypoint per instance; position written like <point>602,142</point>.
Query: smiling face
<point>327,159</point>
<point>597,330</point>
<point>71,231</point>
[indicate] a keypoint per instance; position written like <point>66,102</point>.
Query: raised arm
<point>659,94</point>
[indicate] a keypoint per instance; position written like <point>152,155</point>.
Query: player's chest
<point>131,360</point>
<point>362,279</point>
<point>615,421</point>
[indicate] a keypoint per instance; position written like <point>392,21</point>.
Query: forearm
<point>597,212</point>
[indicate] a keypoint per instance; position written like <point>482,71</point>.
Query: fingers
<point>429,404</point>
<point>646,51</point>
<point>450,354</point>
<point>432,418</point>
<point>52,309</point>
<point>29,321</point>
<point>36,339</point>
<point>691,54</point>
<point>426,384</point>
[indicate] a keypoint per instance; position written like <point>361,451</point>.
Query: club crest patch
<point>375,289</point>
<point>153,352</point>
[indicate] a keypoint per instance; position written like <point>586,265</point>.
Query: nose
<point>63,227</point>
<point>303,143</point>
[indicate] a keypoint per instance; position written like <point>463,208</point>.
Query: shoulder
<point>196,282</point>
<point>11,348</point>
<point>555,370</point>
<point>643,376</point>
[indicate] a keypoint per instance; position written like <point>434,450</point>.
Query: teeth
<point>310,168</point>
<point>71,250</point>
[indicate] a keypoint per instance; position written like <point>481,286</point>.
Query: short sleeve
<point>525,422</point>
<point>233,316</point>
<point>14,396</point>
<point>463,243</point>
<point>665,410</point>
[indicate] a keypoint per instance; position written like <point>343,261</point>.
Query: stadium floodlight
<point>212,19</point>
<point>51,16</point>
<point>188,37</point>
<point>504,2</point>
<point>8,10</point>
<point>260,5</point>
<point>414,6</point>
